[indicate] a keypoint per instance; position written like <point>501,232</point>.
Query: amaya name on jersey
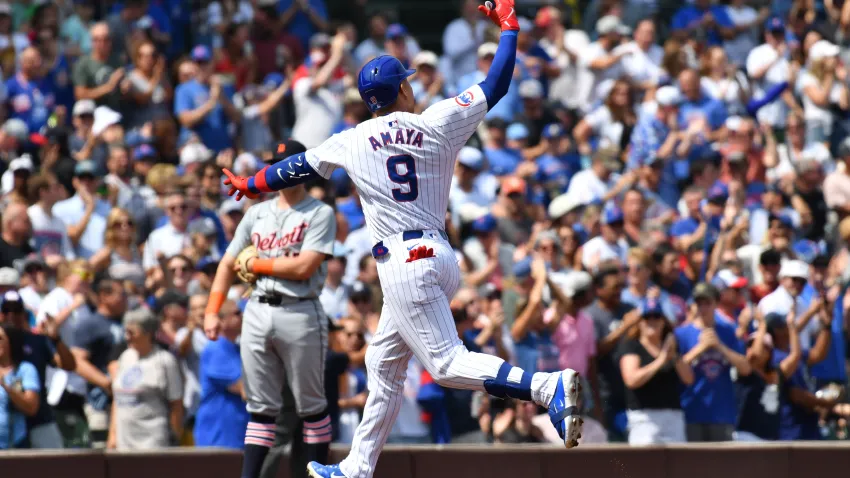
<point>272,241</point>
<point>410,137</point>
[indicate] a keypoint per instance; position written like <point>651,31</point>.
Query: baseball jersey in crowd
<point>711,398</point>
<point>402,163</point>
<point>56,86</point>
<point>13,425</point>
<point>49,234</point>
<point>142,392</point>
<point>707,108</point>
<point>795,422</point>
<point>213,129</point>
<point>832,367</point>
<point>758,403</point>
<point>71,212</point>
<point>91,73</point>
<point>661,392</point>
<point>26,102</point>
<point>691,15</point>
<point>221,417</point>
<point>762,56</point>
<point>95,334</point>
<point>190,365</point>
<point>309,225</point>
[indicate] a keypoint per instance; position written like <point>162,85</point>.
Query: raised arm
<point>495,85</point>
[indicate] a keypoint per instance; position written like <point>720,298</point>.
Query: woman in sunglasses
<point>120,255</point>
<point>653,373</point>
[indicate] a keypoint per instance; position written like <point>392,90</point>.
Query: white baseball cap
<point>574,282</point>
<point>83,107</point>
<point>734,123</point>
<point>562,205</point>
<point>471,158</point>
<point>194,153</point>
<point>487,49</point>
<point>531,89</point>
<point>823,49</point>
<point>428,58</point>
<point>796,269</point>
<point>104,117</point>
<point>9,277</point>
<point>668,96</point>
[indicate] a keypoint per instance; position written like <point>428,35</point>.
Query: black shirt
<point>817,204</point>
<point>9,253</point>
<point>335,365</point>
<point>661,392</point>
<point>608,365</point>
<point>758,406</point>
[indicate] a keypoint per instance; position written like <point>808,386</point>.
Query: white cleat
<point>564,409</point>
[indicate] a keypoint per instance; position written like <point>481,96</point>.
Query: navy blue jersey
<point>758,406</point>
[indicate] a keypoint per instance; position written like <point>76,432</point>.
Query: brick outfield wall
<point>732,460</point>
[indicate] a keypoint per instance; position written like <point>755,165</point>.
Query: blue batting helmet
<point>379,81</point>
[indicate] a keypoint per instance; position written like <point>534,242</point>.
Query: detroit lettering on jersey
<point>397,135</point>
<point>284,242</point>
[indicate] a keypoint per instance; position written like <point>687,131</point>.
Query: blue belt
<point>380,250</point>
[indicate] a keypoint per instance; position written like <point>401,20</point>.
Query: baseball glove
<point>242,258</point>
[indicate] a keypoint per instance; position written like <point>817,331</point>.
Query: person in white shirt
<point>604,57</point>
<point>170,239</point>
<point>49,235</point>
<point>612,122</point>
<point>643,65</point>
<point>742,36</point>
<point>768,67</point>
<point>724,83</point>
<point>318,96</point>
<point>84,214</point>
<point>461,40</point>
<point>36,273</point>
<point>822,86</point>
<point>334,295</point>
<point>609,244</point>
<point>572,88</point>
<point>594,183</point>
<point>793,276</point>
<point>470,184</point>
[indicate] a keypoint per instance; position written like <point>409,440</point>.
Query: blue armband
<point>292,171</point>
<point>495,85</point>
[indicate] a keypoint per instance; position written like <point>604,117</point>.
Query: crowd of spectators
<point>660,202</point>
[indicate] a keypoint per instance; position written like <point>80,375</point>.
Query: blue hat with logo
<point>484,224</point>
<point>201,54</point>
<point>379,81</point>
<point>784,219</point>
<point>522,268</point>
<point>553,130</point>
<point>612,214</point>
<point>774,24</point>
<point>396,30</point>
<point>651,308</point>
<point>144,151</point>
<point>718,193</point>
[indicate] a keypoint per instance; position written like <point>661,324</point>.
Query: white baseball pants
<point>416,320</point>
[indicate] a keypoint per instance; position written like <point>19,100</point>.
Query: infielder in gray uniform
<point>284,329</point>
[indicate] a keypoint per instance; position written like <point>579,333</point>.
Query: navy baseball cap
<point>782,218</point>
<point>553,130</point>
<point>718,193</point>
<point>379,81</point>
<point>774,321</point>
<point>484,224</point>
<point>144,152</point>
<point>612,215</point>
<point>12,302</point>
<point>396,30</point>
<point>201,54</point>
<point>285,149</point>
<point>774,24</point>
<point>650,308</point>
<point>272,81</point>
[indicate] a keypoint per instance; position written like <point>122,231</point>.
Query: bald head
<point>101,43</point>
<point>16,223</point>
<point>30,62</point>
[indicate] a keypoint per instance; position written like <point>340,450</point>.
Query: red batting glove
<point>503,14</point>
<point>238,185</point>
<point>420,252</point>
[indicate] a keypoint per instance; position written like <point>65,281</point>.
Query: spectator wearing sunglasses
<point>171,238</point>
<point>120,256</point>
<point>712,349</point>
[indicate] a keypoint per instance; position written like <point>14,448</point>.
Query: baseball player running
<point>284,330</point>
<point>401,164</point>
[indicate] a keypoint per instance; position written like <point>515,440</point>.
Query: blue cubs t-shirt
<point>25,101</point>
<point>711,398</point>
<point>56,86</point>
<point>13,424</point>
<point>221,418</point>
<point>213,129</point>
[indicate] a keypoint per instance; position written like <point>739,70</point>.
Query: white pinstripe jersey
<point>402,163</point>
